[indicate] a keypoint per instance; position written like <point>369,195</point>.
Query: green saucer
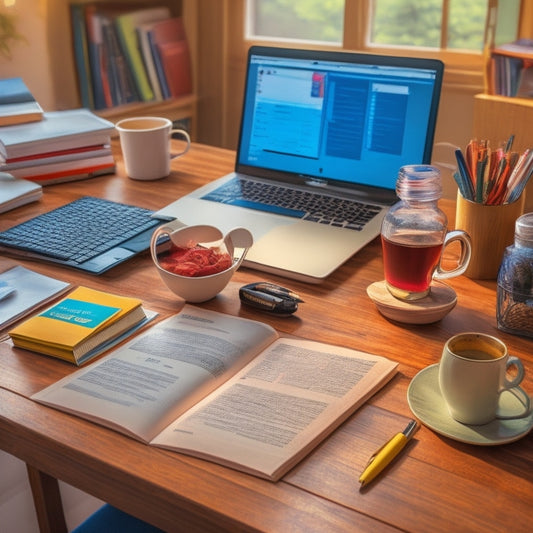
<point>427,404</point>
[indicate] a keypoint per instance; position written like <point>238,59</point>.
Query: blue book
<point>159,67</point>
<point>17,103</point>
<point>81,54</point>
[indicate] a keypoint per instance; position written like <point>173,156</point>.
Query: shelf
<point>178,109</point>
<point>63,69</point>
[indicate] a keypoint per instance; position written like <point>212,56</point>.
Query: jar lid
<point>524,228</point>
<point>419,182</point>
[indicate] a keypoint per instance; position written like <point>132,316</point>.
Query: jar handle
<point>466,252</point>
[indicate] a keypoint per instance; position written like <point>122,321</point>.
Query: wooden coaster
<point>440,301</point>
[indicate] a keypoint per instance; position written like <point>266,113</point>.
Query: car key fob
<point>270,298</point>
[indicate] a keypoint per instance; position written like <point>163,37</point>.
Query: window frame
<point>464,69</point>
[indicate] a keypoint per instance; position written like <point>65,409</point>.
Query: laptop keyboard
<point>287,201</point>
<point>80,230</point>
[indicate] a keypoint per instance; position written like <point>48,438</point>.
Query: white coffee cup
<point>473,373</point>
<point>145,143</point>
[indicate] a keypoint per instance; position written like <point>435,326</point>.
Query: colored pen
<point>387,453</point>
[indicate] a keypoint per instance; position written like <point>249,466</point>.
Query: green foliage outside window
<point>415,23</point>
<point>395,22</point>
<point>313,20</point>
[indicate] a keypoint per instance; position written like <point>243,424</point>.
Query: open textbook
<point>225,389</point>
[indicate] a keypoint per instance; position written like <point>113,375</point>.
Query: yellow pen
<point>387,453</point>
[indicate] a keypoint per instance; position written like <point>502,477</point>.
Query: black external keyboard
<point>80,230</point>
<point>296,203</point>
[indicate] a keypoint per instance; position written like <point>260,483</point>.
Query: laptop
<point>318,128</point>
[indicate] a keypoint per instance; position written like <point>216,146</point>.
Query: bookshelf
<point>63,69</point>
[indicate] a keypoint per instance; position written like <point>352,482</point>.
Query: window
<point>430,24</point>
<point>451,25</point>
<point>301,20</point>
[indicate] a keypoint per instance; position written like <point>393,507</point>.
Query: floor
<point>17,514</point>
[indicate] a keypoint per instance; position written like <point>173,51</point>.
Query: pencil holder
<point>491,229</point>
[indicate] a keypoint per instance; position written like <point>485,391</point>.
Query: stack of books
<point>63,146</point>
<point>126,54</point>
<point>511,69</point>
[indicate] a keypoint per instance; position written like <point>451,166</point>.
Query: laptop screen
<point>352,119</point>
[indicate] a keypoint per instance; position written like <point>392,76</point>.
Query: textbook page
<point>144,385</point>
<point>274,411</point>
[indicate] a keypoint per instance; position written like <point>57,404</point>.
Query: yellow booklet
<point>79,326</point>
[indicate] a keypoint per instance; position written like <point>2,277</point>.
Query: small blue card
<point>86,314</point>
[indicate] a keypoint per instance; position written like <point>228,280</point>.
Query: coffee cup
<point>473,376</point>
<point>145,143</point>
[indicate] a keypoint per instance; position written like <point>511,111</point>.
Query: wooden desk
<point>436,485</point>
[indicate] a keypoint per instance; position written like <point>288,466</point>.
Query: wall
<point>30,58</point>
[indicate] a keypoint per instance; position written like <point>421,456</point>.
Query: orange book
<point>171,44</point>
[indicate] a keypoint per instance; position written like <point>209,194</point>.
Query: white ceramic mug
<point>145,143</point>
<point>473,374</point>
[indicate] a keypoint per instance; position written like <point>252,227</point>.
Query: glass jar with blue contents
<point>514,311</point>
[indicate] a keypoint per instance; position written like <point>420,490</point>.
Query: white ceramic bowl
<point>202,288</point>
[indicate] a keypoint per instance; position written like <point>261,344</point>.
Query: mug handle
<point>466,252</point>
<point>187,138</point>
<point>511,385</point>
<point>158,232</point>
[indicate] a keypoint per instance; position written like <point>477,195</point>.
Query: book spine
<point>69,155</point>
<point>58,154</point>
<point>94,45</point>
<point>122,77</point>
<point>82,165</point>
<point>128,40</point>
<point>176,62</point>
<point>75,175</point>
<point>158,66</point>
<point>81,54</point>
<point>144,42</point>
<point>111,62</point>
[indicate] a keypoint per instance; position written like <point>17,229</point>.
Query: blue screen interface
<point>355,123</point>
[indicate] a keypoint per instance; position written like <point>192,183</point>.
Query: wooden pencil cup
<point>491,228</point>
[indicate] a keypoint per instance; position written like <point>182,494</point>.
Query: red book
<point>170,41</point>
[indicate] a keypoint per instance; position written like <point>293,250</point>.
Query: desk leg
<point>47,501</point>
